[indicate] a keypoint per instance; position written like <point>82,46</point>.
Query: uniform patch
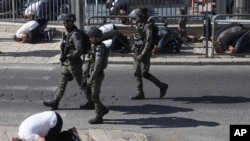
<point>98,53</point>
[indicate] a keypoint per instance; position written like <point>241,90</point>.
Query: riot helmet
<point>69,17</point>
<point>67,20</point>
<point>142,15</point>
<point>94,31</point>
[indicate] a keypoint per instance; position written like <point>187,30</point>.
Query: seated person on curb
<point>166,44</point>
<point>44,126</point>
<point>119,7</point>
<point>32,30</point>
<point>42,9</point>
<point>34,9</point>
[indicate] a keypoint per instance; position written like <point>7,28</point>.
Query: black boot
<point>90,105</point>
<point>140,95</point>
<point>163,87</point>
<point>105,111</point>
<point>163,90</point>
<point>99,117</point>
<point>52,103</point>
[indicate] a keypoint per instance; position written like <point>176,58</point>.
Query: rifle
<point>85,75</point>
<point>62,47</point>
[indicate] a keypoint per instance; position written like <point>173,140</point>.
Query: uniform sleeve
<point>76,39</point>
<point>148,43</point>
<point>99,56</point>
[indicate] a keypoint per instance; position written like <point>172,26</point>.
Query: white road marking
<point>19,67</point>
<point>49,88</point>
<point>29,78</point>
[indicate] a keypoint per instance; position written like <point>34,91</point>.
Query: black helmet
<point>94,31</point>
<point>67,17</point>
<point>143,13</point>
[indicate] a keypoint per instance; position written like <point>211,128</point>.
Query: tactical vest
<point>105,56</point>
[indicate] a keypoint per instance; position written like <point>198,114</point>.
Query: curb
<point>8,132</point>
<point>115,59</point>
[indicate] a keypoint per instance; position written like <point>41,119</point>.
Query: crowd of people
<point>91,77</point>
<point>47,125</point>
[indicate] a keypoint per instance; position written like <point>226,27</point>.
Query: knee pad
<point>146,75</point>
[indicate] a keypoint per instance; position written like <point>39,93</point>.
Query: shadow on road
<point>162,122</point>
<point>149,109</point>
<point>212,99</point>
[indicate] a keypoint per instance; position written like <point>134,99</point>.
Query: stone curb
<point>7,132</point>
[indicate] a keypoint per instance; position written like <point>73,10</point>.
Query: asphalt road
<point>201,103</point>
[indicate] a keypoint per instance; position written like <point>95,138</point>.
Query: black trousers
<point>54,133</point>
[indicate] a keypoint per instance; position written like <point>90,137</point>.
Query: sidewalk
<point>6,133</point>
<point>49,53</point>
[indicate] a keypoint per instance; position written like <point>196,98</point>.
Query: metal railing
<point>13,10</point>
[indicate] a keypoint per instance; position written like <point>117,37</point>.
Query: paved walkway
<point>7,133</point>
<point>49,53</point>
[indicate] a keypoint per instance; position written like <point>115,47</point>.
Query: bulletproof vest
<point>68,45</point>
<point>138,38</point>
<point>105,57</point>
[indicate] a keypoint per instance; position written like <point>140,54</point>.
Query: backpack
<point>70,135</point>
<point>86,45</point>
<point>155,31</point>
<point>85,41</point>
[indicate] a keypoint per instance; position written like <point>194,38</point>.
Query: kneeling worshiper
<point>34,30</point>
<point>44,126</point>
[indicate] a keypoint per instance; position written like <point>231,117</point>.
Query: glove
<point>62,59</point>
<point>62,46</point>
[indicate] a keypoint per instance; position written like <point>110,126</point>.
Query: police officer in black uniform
<point>71,61</point>
<point>98,61</point>
<point>142,49</point>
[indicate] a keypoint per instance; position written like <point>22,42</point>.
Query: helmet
<point>69,17</point>
<point>94,31</point>
<point>143,13</point>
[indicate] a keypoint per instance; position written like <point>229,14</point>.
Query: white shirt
<point>26,28</point>
<point>37,125</point>
<point>31,9</point>
<point>108,43</point>
<point>107,27</point>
